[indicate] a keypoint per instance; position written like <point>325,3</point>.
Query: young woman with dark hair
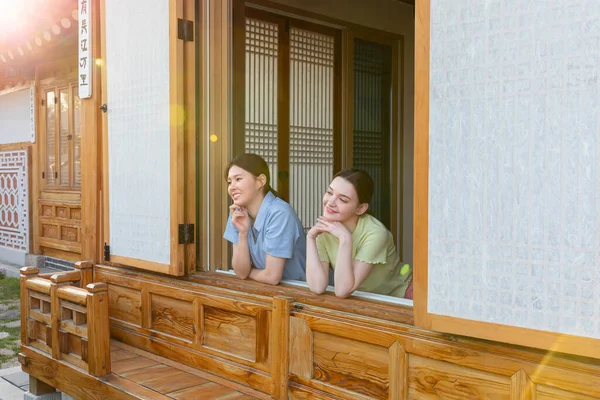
<point>268,240</point>
<point>356,245</point>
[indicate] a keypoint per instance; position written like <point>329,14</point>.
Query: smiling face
<point>340,202</point>
<point>243,187</point>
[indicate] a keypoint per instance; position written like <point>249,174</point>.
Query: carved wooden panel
<point>62,212</point>
<point>50,231</point>
<point>431,379</point>
<point>69,234</point>
<point>230,332</point>
<point>60,226</point>
<point>172,316</point>
<point>76,213</point>
<point>351,364</point>
<point>47,211</point>
<point>125,304</point>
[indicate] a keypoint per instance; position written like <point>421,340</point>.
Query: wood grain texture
<point>429,379</point>
<point>58,230</point>
<point>25,302</point>
<point>550,393</point>
<point>301,348</point>
<point>398,372</point>
<point>194,371</point>
<point>98,329</point>
<point>172,316</point>
<point>235,372</point>
<point>132,364</point>
<point>69,380</point>
<point>177,124</point>
<point>91,156</point>
<point>39,388</point>
<point>118,355</point>
<point>140,392</point>
<point>125,304</point>
<point>463,366</point>
<point>55,320</point>
<point>521,387</point>
<point>207,391</point>
<point>230,332</point>
<point>351,365</point>
<point>148,374</point>
<point>263,342</point>
<point>421,162</point>
<point>176,381</point>
<point>280,339</point>
<point>191,103</point>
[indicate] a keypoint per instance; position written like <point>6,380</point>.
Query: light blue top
<point>277,231</point>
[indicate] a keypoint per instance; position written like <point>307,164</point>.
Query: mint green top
<point>372,243</point>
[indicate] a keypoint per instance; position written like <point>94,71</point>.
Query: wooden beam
<point>421,164</point>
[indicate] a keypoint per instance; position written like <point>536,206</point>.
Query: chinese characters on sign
<point>85,49</point>
<point>32,112</point>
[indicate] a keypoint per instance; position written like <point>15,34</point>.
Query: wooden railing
<point>66,316</point>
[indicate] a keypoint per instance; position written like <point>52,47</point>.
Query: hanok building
<point>478,120</point>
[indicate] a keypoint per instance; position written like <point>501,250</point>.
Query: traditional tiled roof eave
<point>47,31</point>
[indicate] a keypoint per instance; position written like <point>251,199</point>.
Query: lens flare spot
<point>213,138</point>
<point>177,115</point>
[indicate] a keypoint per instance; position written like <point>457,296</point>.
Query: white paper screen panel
<point>14,117</point>
<point>137,71</point>
<point>514,163</point>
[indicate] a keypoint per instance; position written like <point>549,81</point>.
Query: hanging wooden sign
<point>85,49</point>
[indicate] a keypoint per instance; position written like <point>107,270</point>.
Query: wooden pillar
<point>54,318</point>
<point>98,329</point>
<point>86,271</point>
<point>26,273</point>
<point>90,155</point>
<point>280,339</point>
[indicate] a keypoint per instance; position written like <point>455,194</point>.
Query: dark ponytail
<point>256,165</point>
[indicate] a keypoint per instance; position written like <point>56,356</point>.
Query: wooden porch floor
<point>148,376</point>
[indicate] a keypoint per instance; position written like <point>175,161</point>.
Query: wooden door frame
<point>177,211</point>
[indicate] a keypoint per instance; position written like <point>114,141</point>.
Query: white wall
<point>395,17</point>
<point>14,117</point>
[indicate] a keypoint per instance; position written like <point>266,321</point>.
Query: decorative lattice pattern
<point>51,167</point>
<point>514,174</point>
<point>261,92</point>
<point>14,218</point>
<point>63,139</point>
<point>311,121</point>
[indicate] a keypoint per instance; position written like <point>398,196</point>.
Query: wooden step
<point>147,376</point>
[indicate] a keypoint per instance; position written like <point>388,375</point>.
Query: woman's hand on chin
<point>335,228</point>
<point>316,230</point>
<point>240,218</point>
